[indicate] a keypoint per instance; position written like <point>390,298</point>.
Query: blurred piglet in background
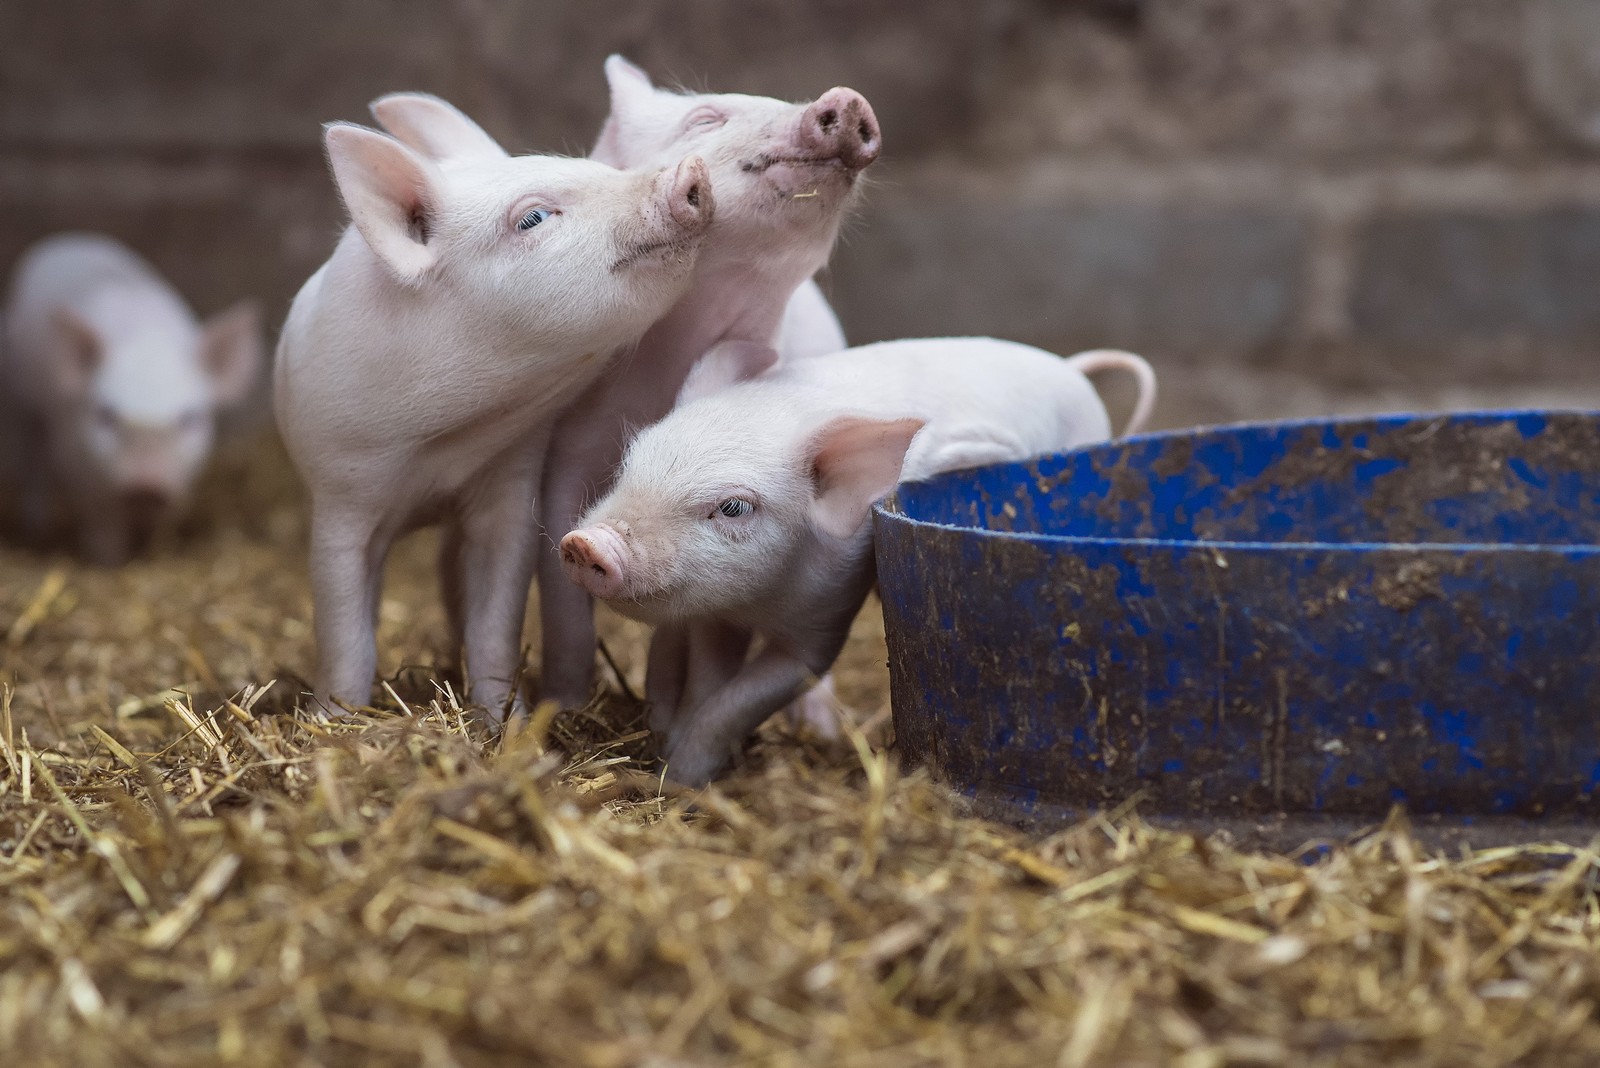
<point>785,174</point>
<point>109,392</point>
<point>746,510</point>
<point>472,297</point>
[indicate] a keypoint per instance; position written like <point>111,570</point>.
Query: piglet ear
<point>232,350</point>
<point>79,352</point>
<point>434,127</point>
<point>626,79</point>
<point>392,195</point>
<point>630,86</point>
<point>854,461</point>
<point>726,364</point>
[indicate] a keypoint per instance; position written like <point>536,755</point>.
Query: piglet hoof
<point>818,710</point>
<point>325,709</point>
<point>497,708</point>
<point>693,766</point>
<point>567,700</point>
<point>660,724</point>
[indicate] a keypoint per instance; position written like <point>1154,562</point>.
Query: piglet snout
<point>593,559</point>
<point>688,196</point>
<point>840,125</point>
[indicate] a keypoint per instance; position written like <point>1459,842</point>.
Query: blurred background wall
<point>1288,204</point>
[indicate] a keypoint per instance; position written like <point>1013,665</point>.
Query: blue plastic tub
<point>1282,629</point>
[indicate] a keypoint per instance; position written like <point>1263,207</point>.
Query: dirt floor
<point>190,874</point>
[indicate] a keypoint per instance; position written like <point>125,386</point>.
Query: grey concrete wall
<point>1362,192</point>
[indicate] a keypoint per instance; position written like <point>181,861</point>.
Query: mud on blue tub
<point>1280,630</point>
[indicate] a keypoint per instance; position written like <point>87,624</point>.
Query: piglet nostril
<point>691,201</point>
<point>592,562</point>
<point>841,125</point>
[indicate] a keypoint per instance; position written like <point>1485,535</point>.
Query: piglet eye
<point>534,217</point>
<point>703,119</point>
<point>105,417</point>
<point>736,507</point>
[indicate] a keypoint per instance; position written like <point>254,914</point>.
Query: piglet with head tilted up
<point>785,175</point>
<point>474,296</point>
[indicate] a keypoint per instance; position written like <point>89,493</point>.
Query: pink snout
<point>840,125</point>
<point>593,558</point>
<point>688,198</point>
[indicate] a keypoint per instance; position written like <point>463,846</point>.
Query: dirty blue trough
<point>1281,630</point>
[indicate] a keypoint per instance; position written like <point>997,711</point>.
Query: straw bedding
<point>189,874</point>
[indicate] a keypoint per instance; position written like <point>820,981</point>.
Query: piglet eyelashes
<point>704,119</point>
<point>736,507</point>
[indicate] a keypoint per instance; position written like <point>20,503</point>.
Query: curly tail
<point>1117,360</point>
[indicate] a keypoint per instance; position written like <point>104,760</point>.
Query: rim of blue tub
<point>890,508</point>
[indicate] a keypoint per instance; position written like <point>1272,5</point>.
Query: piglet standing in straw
<point>785,175</point>
<point>472,297</point>
<point>748,506</point>
<point>110,388</point>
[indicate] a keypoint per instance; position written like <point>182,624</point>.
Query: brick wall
<point>1365,192</point>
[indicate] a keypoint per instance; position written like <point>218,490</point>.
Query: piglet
<point>112,389</point>
<point>746,509</point>
<point>472,297</point>
<point>785,175</point>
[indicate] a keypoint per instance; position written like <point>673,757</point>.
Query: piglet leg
<point>450,591</point>
<point>664,676</point>
<point>347,553</point>
<point>816,709</point>
<point>706,738</point>
<point>566,611</point>
<point>102,526</point>
<point>35,502</point>
<point>103,539</point>
<point>496,560</point>
<point>688,663</point>
<point>717,650</point>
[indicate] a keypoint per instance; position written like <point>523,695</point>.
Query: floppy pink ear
<point>629,85</point>
<point>233,351</point>
<point>391,194</point>
<point>434,127</point>
<point>854,461</point>
<point>726,364</point>
<point>79,352</point>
